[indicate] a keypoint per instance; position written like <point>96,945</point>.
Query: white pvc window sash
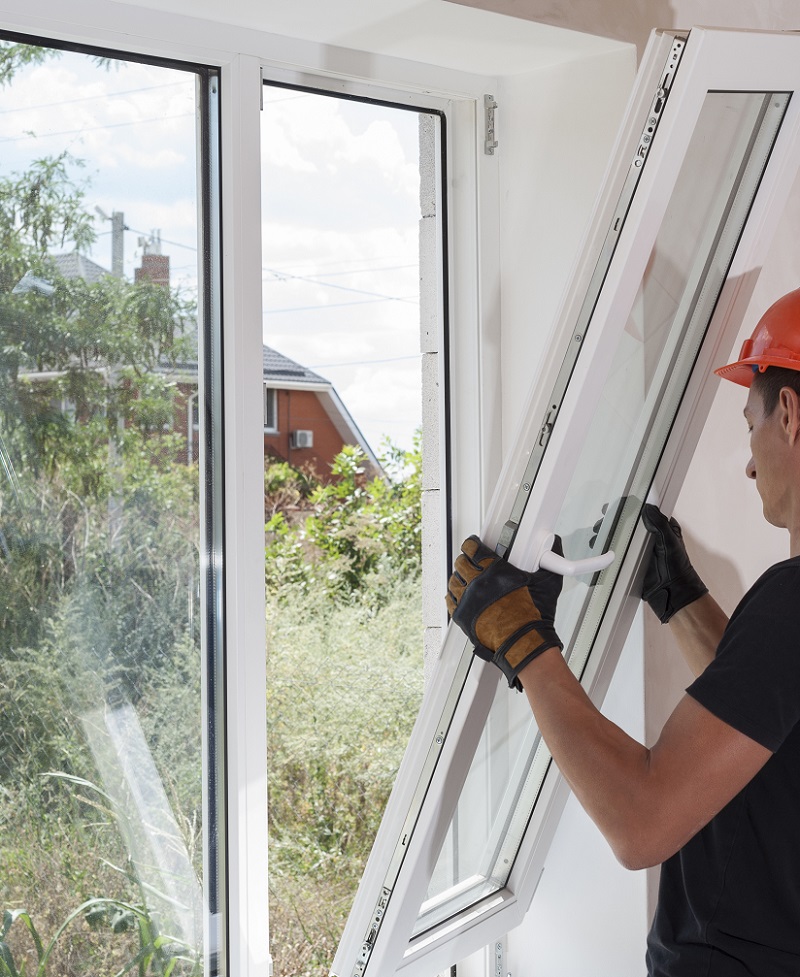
<point>649,323</point>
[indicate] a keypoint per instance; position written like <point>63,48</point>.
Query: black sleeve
<point>753,684</point>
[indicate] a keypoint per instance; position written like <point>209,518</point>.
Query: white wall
<point>552,160</point>
<point>589,916</point>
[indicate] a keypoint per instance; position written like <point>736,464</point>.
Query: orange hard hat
<point>775,342</point>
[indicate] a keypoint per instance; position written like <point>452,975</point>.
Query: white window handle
<point>548,560</point>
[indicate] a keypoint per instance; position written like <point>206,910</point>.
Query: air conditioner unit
<point>302,439</point>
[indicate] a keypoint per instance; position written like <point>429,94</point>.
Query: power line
<point>127,91</point>
<point>110,125</point>
<point>91,98</point>
<point>329,305</point>
<point>390,359</point>
<point>164,240</point>
<point>364,271</point>
<point>341,261</point>
<point>283,276</point>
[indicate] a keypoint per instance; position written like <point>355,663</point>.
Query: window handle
<point>548,560</point>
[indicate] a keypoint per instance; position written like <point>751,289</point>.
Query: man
<point>717,798</point>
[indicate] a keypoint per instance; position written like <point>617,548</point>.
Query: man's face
<point>768,464</point>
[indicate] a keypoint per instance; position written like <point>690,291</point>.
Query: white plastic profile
<point>548,560</point>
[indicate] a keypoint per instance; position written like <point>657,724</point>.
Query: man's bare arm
<point>647,803</point>
<point>698,628</point>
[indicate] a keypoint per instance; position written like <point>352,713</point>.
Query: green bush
<point>356,530</point>
<point>344,684</point>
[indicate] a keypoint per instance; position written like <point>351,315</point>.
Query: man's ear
<point>789,406</point>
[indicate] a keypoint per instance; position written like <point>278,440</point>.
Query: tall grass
<point>344,683</point>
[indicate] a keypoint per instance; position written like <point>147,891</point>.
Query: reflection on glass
<point>100,660</point>
<point>652,364</point>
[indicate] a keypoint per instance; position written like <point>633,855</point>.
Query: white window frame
<point>713,60</point>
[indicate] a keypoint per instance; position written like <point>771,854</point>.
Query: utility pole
<point>117,242</point>
<point>118,229</point>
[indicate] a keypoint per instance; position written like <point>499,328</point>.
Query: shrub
<point>344,683</point>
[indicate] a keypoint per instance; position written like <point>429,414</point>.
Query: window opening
<point>345,243</point>
<point>104,638</point>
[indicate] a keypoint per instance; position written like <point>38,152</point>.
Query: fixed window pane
<point>104,403</point>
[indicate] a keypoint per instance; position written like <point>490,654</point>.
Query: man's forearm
<point>600,762</point>
<point>698,630</point>
<point>646,802</point>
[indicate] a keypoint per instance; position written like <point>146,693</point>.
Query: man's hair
<point>770,383</point>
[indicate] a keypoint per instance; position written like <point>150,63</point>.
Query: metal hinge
<point>489,108</point>
<point>372,933</point>
<point>499,969</point>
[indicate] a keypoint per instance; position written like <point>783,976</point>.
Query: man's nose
<point>750,469</point>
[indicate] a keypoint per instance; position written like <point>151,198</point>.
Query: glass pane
<point>342,184</point>
<point>686,270</point>
<point>100,652</point>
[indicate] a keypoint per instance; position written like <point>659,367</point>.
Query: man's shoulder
<point>776,582</point>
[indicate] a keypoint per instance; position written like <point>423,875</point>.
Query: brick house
<point>305,421</point>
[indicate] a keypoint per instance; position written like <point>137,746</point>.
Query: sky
<point>340,205</point>
<point>339,217</point>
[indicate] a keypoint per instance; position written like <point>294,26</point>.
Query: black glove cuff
<point>549,640</point>
<point>672,597</point>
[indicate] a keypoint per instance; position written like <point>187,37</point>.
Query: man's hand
<point>670,582</point>
<point>507,614</point>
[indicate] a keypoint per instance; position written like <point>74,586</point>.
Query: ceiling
<point>633,20</point>
<point>434,31</point>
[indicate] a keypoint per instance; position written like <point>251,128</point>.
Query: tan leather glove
<point>508,614</point>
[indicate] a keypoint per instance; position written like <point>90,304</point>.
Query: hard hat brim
<point>743,371</point>
<point>739,372</point>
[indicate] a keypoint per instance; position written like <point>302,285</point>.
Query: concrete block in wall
<point>434,579</point>
<point>431,463</point>
<point>429,275</point>
<point>432,644</point>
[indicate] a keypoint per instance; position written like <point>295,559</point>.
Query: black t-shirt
<point>729,900</point>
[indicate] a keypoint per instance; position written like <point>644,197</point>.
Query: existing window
<point>465,843</point>
<point>110,631</point>
<point>270,409</point>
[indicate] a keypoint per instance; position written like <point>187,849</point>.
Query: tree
<point>87,391</point>
<point>14,56</point>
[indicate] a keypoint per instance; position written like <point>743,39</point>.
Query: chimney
<point>155,265</point>
<point>155,268</point>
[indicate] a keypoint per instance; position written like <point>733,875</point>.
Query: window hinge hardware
<point>489,108</point>
<point>499,969</point>
<point>372,933</point>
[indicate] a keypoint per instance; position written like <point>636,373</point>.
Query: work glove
<point>506,613</point>
<point>670,581</point>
